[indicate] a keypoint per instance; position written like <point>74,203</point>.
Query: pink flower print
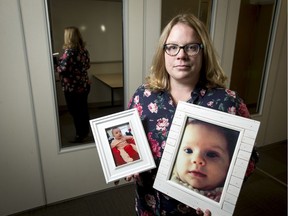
<point>170,102</point>
<point>210,103</point>
<point>231,93</point>
<point>183,208</point>
<point>202,92</point>
<point>150,200</point>
<point>243,111</point>
<point>154,146</point>
<point>130,102</point>
<point>163,144</point>
<point>232,110</point>
<point>136,99</point>
<point>149,135</point>
<point>139,108</point>
<point>250,169</point>
<point>145,213</point>
<point>155,149</point>
<point>164,132</point>
<point>147,93</point>
<point>162,124</point>
<point>153,107</point>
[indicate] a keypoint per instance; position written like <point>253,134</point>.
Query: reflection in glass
<point>251,50</point>
<point>103,36</point>
<point>200,8</point>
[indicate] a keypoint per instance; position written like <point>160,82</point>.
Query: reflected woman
<point>72,67</point>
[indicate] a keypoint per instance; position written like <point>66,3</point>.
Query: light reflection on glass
<point>103,28</point>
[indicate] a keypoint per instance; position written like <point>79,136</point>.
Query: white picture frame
<point>246,129</point>
<point>139,156</point>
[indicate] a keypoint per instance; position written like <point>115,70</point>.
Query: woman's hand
<point>134,176</point>
<point>128,178</point>
<point>200,212</point>
<point>116,182</point>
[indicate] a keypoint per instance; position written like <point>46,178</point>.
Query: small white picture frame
<point>176,183</point>
<point>127,156</point>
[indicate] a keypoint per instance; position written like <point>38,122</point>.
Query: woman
<point>72,67</point>
<point>184,68</point>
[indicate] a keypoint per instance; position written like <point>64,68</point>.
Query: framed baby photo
<point>205,158</point>
<point>122,145</point>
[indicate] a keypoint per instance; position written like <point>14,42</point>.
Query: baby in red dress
<point>120,142</point>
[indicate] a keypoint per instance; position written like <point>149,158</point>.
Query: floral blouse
<point>72,67</point>
<point>156,110</point>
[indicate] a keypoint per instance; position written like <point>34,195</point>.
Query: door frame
<point>224,29</point>
<point>76,171</point>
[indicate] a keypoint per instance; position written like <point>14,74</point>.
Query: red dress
<point>129,149</point>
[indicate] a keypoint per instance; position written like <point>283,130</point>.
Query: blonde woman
<point>184,68</point>
<point>72,67</point>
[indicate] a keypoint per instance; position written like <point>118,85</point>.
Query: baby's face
<point>117,133</point>
<point>203,158</point>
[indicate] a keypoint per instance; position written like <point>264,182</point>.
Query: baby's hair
<point>230,135</point>
<point>112,130</point>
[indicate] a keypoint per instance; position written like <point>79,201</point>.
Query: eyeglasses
<point>191,49</point>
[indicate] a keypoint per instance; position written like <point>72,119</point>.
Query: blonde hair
<point>211,74</point>
<point>73,38</point>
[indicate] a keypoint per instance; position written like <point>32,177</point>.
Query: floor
<point>67,127</point>
<point>263,194</point>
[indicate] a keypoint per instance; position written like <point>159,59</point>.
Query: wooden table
<point>113,81</point>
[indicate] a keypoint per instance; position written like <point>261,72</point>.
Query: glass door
<point>252,50</point>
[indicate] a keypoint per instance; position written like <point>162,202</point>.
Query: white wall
<point>21,184</point>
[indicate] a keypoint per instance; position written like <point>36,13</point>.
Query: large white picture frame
<point>169,180</point>
<point>127,156</point>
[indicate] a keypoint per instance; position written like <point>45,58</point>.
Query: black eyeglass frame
<point>200,46</point>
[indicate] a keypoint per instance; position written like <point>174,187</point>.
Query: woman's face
<point>183,68</point>
<point>203,157</point>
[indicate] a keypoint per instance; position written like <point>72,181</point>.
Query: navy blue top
<point>157,110</point>
<point>72,67</point>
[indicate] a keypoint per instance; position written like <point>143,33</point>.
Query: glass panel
<point>103,36</point>
<point>200,8</point>
<point>251,50</point>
